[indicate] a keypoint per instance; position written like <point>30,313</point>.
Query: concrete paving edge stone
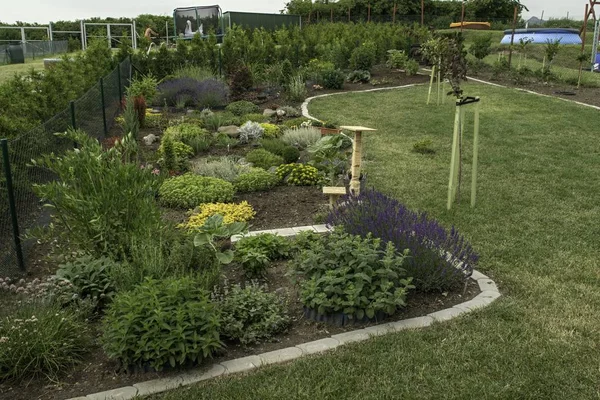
<point>478,275</point>
<point>487,285</point>
<point>300,229</point>
<point>199,375</point>
<point>319,346</point>
<point>358,335</point>
<point>411,323</point>
<point>123,393</point>
<point>241,364</point>
<point>447,314</point>
<point>282,355</point>
<point>158,385</point>
<point>321,228</point>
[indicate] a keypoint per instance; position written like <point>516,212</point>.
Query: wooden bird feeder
<point>334,192</point>
<point>356,155</point>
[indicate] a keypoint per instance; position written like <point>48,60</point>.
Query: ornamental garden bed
<point>143,275</point>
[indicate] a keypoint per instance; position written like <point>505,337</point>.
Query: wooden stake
<point>512,37</point>
<point>462,16</point>
<point>453,158</point>
<point>369,13</point>
<point>475,156</point>
<point>422,12</point>
<point>356,156</point>
<point>394,14</point>
<point>331,14</point>
<point>431,84</point>
<point>439,77</point>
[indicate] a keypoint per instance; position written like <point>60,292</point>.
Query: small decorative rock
<point>269,113</point>
<point>151,138</point>
<point>280,113</point>
<point>230,130</point>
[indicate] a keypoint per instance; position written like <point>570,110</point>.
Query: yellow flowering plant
<point>231,212</point>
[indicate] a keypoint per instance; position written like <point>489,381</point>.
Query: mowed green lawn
<point>9,70</point>
<point>536,227</point>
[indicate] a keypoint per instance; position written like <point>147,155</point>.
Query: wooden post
<point>356,156</point>
<point>331,12</point>
<point>462,16</point>
<point>394,13</point>
<point>422,12</point>
<point>512,37</point>
<point>348,14</point>
<point>583,34</point>
<point>439,81</point>
<point>369,13</point>
<point>454,158</point>
<point>475,156</point>
<point>431,84</point>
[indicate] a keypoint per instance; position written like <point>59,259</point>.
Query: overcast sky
<point>54,10</point>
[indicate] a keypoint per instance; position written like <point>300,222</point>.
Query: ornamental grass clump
<point>301,137</point>
<point>440,259</point>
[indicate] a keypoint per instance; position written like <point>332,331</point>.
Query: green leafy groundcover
<point>189,191</point>
<point>162,323</point>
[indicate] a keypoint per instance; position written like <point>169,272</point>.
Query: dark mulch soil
<point>98,373</point>
<point>286,206</point>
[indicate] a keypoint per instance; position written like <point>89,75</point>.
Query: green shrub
<point>317,68</point>
<point>189,191</point>
<point>131,119</point>
<point>347,274</point>
<point>226,168</point>
<point>424,146</point>
<point>144,86</point>
<point>273,246</point>
<point>411,67</point>
<point>290,111</point>
<point>192,135</point>
<point>296,122</point>
<point>481,46</point>
<point>254,117</point>
<point>359,77</point>
<point>289,153</point>
<point>90,278</point>
<point>396,59</point>
<point>299,174</point>
<point>169,322</point>
<point>264,159</point>
<point>99,203</point>
<point>255,180</point>
<point>251,315</point>
<point>254,263</point>
<point>304,241</point>
<point>41,340</point>
<point>301,137</point>
<point>271,130</point>
<point>333,79</point>
<point>240,80</point>
<point>363,57</point>
<point>242,107</point>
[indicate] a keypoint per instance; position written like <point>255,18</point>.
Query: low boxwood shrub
<point>264,159</point>
<point>242,107</point>
<point>231,212</point>
<point>182,151</point>
<point>440,258</point>
<point>273,246</point>
<point>169,322</point>
<point>251,314</point>
<point>355,276</point>
<point>189,191</point>
<point>333,79</point>
<point>289,153</point>
<point>255,180</point>
<point>41,340</point>
<point>271,130</point>
<point>299,174</point>
<point>363,57</point>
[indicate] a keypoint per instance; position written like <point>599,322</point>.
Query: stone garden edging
<point>489,293</point>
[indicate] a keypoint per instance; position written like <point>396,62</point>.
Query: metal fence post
<point>103,106</point>
<point>119,83</point>
<point>220,63</point>
<point>73,120</point>
<point>11,204</point>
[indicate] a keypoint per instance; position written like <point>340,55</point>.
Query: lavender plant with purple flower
<point>439,259</point>
<point>207,93</point>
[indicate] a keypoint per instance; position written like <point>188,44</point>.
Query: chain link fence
<point>35,49</point>
<point>20,209</point>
